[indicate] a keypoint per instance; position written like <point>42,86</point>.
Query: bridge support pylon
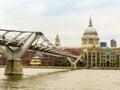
<point>73,66</point>
<point>74,62</point>
<point>14,55</point>
<point>13,67</point>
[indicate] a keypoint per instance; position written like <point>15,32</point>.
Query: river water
<point>59,79</point>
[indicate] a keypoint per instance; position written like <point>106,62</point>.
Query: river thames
<point>61,79</point>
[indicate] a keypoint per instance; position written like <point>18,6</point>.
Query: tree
<point>56,63</point>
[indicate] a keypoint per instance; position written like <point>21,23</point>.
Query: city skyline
<point>68,18</point>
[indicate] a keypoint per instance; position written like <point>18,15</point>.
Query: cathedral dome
<point>90,37</point>
<point>90,29</point>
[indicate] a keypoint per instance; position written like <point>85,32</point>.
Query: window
<point>91,41</point>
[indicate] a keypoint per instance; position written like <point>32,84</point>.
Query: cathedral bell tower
<point>57,41</point>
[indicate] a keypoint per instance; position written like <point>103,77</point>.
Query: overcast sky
<point>68,18</point>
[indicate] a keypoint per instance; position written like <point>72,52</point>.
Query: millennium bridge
<point>14,44</point>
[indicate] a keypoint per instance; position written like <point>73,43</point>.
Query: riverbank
<point>60,67</point>
<point>46,67</point>
<point>104,68</point>
<point>43,67</point>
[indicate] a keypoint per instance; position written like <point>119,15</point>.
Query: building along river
<point>61,79</point>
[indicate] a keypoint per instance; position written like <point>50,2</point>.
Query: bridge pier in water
<point>13,67</point>
<point>73,66</point>
<point>14,55</point>
<point>74,62</point>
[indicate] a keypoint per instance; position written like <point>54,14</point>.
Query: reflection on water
<point>26,81</point>
<point>50,79</point>
<point>11,82</point>
<point>13,78</point>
